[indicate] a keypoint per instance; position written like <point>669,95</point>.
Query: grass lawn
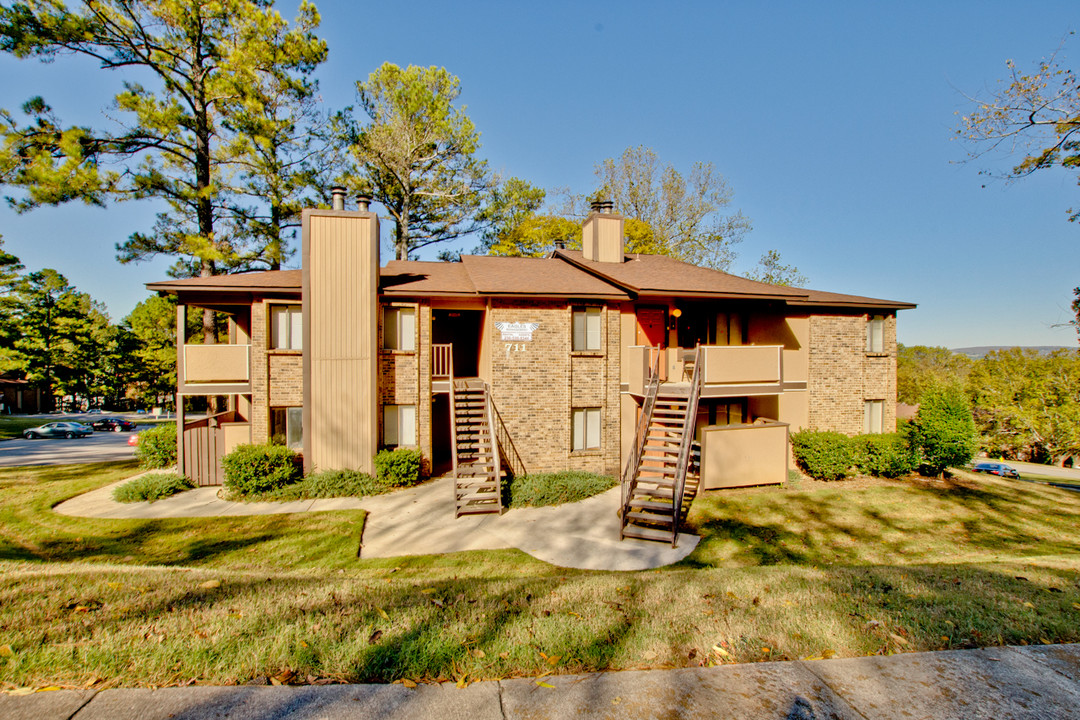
<point>13,426</point>
<point>844,570</point>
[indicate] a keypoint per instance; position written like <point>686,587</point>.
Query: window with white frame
<point>586,323</point>
<point>585,429</point>
<point>286,327</point>
<point>873,416</point>
<point>287,426</point>
<point>399,328</point>
<point>399,425</point>
<point>875,334</point>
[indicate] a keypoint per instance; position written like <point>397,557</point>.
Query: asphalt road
<point>99,447</point>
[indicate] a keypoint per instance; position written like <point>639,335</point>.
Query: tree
<point>418,155</point>
<point>684,213</point>
<point>176,145</point>
<point>943,432</point>
<point>771,270</point>
<point>62,333</point>
<point>10,269</point>
<point>1028,404</point>
<point>1037,115</point>
<point>919,368</point>
<point>153,325</point>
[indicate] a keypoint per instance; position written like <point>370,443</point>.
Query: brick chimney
<point>602,234</point>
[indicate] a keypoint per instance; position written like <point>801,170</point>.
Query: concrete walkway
<point>1008,683</point>
<point>420,521</point>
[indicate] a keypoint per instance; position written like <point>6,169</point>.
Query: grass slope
<point>880,569</point>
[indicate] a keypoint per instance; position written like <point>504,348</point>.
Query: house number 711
<point>514,347</point>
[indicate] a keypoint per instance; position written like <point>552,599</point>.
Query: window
<point>287,427</point>
<point>586,328</point>
<point>286,327</point>
<point>873,412</point>
<point>585,427</point>
<point>399,328</point>
<point>399,425</point>
<point>875,334</point>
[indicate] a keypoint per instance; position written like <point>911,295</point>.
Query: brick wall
<point>536,384</point>
<point>843,375</point>
<point>286,379</point>
<point>260,374</point>
<point>401,376</point>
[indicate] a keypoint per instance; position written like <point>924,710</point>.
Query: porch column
<point>181,332</point>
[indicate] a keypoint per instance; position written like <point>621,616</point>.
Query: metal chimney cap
<point>602,206</point>
<point>337,195</point>
<point>363,202</point>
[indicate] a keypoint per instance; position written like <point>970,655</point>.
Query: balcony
<point>727,370</point>
<point>217,365</point>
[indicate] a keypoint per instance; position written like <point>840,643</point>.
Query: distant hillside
<point>977,352</point>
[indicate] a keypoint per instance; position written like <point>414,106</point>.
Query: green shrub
<point>326,484</point>
<point>943,431</point>
<point>823,454</point>
<point>157,447</point>
<point>884,455</point>
<point>152,486</point>
<point>251,469</point>
<point>556,488</point>
<point>398,468</point>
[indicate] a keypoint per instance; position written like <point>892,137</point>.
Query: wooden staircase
<point>478,470</point>
<point>657,482</point>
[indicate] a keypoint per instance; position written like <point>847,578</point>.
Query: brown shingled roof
<point>237,282</point>
<point>663,275</point>
<point>820,297</point>
<point>534,276</point>
<point>413,277</point>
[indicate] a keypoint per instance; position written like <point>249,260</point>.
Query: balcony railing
<point>217,364</point>
<point>726,369</point>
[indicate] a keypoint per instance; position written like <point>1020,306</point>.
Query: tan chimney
<point>602,234</point>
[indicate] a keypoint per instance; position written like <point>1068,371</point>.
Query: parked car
<point>58,429</point>
<point>999,469</point>
<point>113,423</point>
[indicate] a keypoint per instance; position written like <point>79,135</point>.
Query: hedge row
<point>273,472</point>
<point>828,455</point>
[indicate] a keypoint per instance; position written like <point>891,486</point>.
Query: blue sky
<point>832,121</point>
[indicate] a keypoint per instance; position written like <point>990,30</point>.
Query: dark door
<point>460,328</point>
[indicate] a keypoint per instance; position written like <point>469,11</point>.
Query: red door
<point>652,327</point>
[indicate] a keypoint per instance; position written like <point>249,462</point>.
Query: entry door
<point>652,327</point>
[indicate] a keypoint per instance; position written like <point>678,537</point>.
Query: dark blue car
<point>995,468</point>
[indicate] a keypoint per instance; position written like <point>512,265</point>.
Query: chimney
<point>363,203</point>
<point>602,234</point>
<point>340,286</point>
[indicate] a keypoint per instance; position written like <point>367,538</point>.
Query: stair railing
<point>652,388</point>
<point>453,417</point>
<point>507,449</point>
<point>684,448</point>
<point>496,460</point>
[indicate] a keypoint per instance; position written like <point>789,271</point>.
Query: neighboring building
<point>551,360</point>
<point>19,395</point>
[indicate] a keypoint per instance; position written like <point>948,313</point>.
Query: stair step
<point>660,492</point>
<point>651,505</point>
<point>650,518</point>
<point>656,471</point>
<point>647,533</point>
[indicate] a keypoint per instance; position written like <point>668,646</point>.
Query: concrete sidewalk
<point>1040,683</point>
<point>420,521</point>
